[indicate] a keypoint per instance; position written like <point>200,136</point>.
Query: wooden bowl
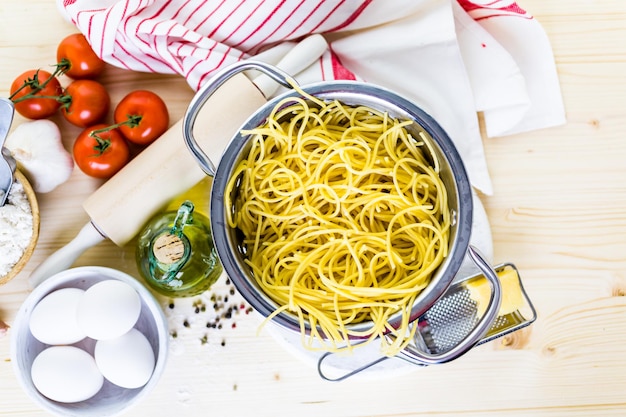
<point>34,207</point>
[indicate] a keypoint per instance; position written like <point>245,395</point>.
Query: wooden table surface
<point>558,212</point>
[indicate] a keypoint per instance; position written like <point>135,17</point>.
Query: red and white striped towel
<point>453,59</point>
<point>196,37</point>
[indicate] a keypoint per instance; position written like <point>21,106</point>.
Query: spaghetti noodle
<point>345,219</point>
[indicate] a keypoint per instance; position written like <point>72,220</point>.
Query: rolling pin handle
<point>62,259</point>
<point>300,57</point>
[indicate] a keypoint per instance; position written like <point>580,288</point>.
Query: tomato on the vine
<point>78,58</point>
<point>142,116</point>
<point>100,151</point>
<point>34,94</point>
<point>88,103</point>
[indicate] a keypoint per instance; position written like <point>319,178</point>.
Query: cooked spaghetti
<point>345,219</point>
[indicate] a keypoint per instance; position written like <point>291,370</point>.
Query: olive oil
<point>175,253</point>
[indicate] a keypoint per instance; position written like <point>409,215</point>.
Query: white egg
<point>54,319</point>
<point>66,374</point>
<point>126,361</point>
<point>108,309</point>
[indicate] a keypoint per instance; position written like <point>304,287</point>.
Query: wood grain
<point>558,212</point>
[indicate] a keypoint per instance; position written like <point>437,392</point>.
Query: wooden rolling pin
<point>166,168</point>
<point>122,205</point>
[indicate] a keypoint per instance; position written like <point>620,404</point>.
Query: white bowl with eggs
<point>89,341</point>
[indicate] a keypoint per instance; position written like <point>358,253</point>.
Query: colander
<point>452,171</point>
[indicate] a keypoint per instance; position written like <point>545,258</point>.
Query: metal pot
<point>452,171</point>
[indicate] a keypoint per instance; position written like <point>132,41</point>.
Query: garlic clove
<point>39,151</point>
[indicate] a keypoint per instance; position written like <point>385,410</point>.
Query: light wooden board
<point>558,212</point>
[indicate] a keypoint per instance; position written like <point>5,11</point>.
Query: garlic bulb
<point>39,152</point>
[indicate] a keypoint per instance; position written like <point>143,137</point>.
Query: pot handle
<point>203,95</point>
<point>416,356</point>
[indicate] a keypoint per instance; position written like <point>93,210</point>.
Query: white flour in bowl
<point>16,228</point>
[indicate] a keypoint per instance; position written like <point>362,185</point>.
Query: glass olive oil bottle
<point>175,253</point>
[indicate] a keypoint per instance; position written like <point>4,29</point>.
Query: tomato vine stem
<point>36,85</point>
<point>132,120</point>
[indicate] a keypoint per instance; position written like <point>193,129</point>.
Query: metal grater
<point>449,321</point>
<point>454,315</point>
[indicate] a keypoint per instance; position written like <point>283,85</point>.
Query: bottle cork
<point>168,248</point>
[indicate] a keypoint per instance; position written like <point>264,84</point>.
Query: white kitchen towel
<point>500,90</point>
<point>522,91</point>
<point>409,46</point>
<point>417,56</point>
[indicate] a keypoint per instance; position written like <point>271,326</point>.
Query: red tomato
<point>146,116</point>
<point>80,59</point>
<point>88,103</point>
<point>28,90</point>
<point>102,155</point>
